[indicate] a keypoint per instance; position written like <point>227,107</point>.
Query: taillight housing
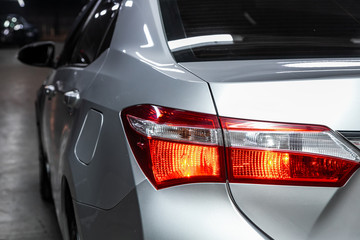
<point>287,154</point>
<point>176,147</point>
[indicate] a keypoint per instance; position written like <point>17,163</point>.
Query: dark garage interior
<point>53,18</point>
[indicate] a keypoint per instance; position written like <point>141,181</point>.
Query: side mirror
<point>40,54</point>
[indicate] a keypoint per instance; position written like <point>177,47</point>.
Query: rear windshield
<point>205,30</point>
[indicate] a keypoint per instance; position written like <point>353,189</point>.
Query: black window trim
<point>109,30</point>
<point>78,28</point>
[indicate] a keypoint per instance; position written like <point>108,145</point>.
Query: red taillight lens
<point>175,147</point>
<point>260,166</point>
<point>289,154</point>
<point>172,160</point>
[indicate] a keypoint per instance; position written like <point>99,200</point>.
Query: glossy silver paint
<point>315,91</point>
<point>135,70</point>
<point>88,139</point>
<point>301,91</point>
<point>112,196</point>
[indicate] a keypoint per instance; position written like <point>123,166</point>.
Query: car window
<point>77,29</point>
<point>94,39</point>
<point>205,30</point>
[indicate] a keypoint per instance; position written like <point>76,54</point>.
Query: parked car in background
<point>15,30</point>
<point>182,119</point>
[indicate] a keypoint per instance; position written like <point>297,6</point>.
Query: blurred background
<point>23,215</point>
<point>49,19</point>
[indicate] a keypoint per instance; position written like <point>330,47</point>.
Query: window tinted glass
<point>254,29</point>
<point>75,32</point>
<point>92,39</point>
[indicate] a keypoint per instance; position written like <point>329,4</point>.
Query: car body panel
<point>122,81</point>
<point>322,91</point>
<point>123,74</point>
<point>57,125</point>
<point>194,211</point>
<point>133,75</point>
<point>313,91</point>
<point>341,216</point>
<point>86,144</point>
<point>139,33</point>
<point>295,212</point>
<point>174,213</point>
<point>283,212</point>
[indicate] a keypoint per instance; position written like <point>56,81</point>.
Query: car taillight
<point>289,154</point>
<point>176,147</point>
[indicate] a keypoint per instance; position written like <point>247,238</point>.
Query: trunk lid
<point>300,91</point>
<point>322,92</point>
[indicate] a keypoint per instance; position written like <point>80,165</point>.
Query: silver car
<point>183,119</point>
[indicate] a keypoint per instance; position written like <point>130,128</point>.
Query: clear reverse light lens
<point>176,133</point>
<point>323,143</point>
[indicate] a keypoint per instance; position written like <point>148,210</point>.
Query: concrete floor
<point>23,215</point>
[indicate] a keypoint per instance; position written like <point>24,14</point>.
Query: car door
<point>78,66</point>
